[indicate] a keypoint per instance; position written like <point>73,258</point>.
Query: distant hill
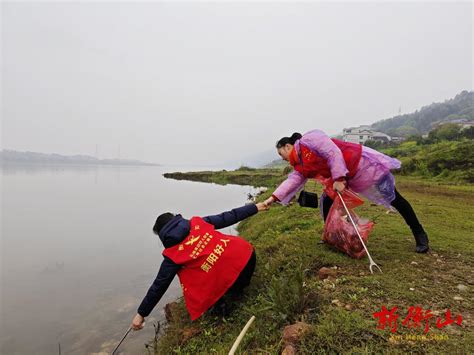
<point>260,159</point>
<point>16,157</point>
<point>278,163</point>
<point>458,109</point>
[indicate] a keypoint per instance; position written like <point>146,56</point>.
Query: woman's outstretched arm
<point>288,188</point>
<point>236,215</point>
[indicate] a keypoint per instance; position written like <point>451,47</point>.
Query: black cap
<point>161,221</point>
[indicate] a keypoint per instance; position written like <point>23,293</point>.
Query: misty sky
<point>208,83</point>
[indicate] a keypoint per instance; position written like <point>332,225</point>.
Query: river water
<point>78,253</point>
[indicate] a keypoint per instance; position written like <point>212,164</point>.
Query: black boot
<point>421,239</point>
<point>406,211</point>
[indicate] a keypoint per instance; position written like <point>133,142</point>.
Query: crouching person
<point>209,264</point>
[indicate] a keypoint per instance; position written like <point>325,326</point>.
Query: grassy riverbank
<point>242,176</point>
<point>339,310</point>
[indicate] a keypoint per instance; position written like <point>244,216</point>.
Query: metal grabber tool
<point>371,261</point>
<point>121,341</point>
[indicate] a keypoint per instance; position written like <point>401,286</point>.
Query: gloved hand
<point>339,185</point>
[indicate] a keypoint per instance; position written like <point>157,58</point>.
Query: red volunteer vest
<point>211,262</point>
<point>315,166</point>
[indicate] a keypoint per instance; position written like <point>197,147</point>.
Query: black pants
<point>400,204</point>
<point>222,307</point>
<point>244,278</point>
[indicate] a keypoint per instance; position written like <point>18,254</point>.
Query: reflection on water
<point>78,253</point>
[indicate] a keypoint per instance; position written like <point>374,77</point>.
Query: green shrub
<point>285,296</point>
<point>443,159</point>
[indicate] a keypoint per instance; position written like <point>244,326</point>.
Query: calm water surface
<point>78,253</point>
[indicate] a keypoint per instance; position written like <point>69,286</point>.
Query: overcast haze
<point>208,83</point>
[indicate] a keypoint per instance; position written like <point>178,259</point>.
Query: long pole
<point>241,335</point>
<point>123,338</point>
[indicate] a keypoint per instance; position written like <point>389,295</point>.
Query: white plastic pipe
<point>241,335</point>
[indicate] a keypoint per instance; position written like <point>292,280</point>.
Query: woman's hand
<point>269,201</point>
<point>138,322</point>
<point>262,206</point>
<point>339,186</point>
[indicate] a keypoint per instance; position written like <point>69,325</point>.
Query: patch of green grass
<point>335,328</point>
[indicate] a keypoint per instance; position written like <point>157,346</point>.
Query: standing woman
<point>337,165</point>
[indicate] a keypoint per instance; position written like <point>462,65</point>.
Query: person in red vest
<point>209,264</point>
<point>337,165</point>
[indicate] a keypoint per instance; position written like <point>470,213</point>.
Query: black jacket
<point>174,232</point>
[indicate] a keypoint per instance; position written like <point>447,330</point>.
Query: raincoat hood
<point>175,231</point>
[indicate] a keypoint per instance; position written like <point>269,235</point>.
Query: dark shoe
<point>421,242</point>
<point>321,240</point>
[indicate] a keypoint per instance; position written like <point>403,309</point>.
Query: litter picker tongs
<point>371,261</point>
<point>123,338</point>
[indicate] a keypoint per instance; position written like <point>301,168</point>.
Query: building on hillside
<point>397,139</point>
<point>362,134</point>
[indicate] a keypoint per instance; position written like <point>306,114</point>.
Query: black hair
<point>161,221</point>
<point>288,140</point>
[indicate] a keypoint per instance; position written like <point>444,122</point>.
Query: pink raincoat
<point>372,179</point>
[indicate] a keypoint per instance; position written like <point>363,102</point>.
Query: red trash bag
<point>339,231</point>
